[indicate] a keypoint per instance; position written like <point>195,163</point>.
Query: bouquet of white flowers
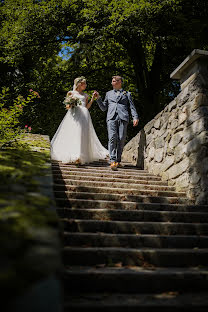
<point>71,101</point>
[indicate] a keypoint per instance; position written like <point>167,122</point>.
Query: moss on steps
<point>29,228</point>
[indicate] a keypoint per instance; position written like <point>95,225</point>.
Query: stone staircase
<point>131,242</point>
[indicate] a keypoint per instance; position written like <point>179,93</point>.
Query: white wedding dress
<point>75,138</point>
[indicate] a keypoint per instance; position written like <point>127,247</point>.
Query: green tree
<point>143,40</point>
<point>155,35</point>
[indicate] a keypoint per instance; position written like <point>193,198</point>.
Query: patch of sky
<point>66,51</point>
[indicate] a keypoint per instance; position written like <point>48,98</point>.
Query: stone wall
<point>176,140</point>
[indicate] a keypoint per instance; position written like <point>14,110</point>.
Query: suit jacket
<point>118,103</point>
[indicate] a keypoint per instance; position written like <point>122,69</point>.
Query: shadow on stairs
<point>131,242</point>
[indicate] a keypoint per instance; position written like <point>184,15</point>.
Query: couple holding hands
<point>75,140</point>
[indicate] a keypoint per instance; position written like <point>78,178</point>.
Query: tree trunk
<point>148,82</point>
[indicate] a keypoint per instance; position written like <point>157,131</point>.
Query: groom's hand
<point>96,95</point>
<point>135,122</point>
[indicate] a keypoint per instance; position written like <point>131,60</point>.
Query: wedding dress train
<point>75,139</point>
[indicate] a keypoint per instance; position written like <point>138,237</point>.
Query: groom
<point>117,102</point>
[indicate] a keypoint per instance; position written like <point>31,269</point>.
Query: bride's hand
<point>96,95</point>
<point>68,106</point>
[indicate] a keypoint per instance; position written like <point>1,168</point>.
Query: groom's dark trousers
<point>117,129</point>
<point>117,104</point>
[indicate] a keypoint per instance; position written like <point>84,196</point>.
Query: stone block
<point>183,97</point>
<point>156,169</point>
<point>179,153</point>
<point>176,139</point>
<point>154,132</point>
<point>182,118</point>
<point>159,142</point>
<point>163,129</point>
<point>178,169</point>
<point>195,128</point>
<point>149,126</point>
<point>152,144</point>
<point>197,114</point>
<point>199,126</point>
<point>188,135</point>
<point>195,177</point>
<point>151,154</point>
<point>158,155</point>
<point>172,117</point>
<point>165,117</point>
<point>157,124</point>
<point>169,161</point>
<point>149,139</point>
<point>165,149</point>
<point>172,105</point>
<point>166,109</point>
<point>164,176</point>
<point>182,182</point>
<point>200,100</point>
<point>174,124</point>
<point>195,144</point>
<point>170,151</point>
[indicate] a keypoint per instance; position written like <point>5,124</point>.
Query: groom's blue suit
<point>117,104</point>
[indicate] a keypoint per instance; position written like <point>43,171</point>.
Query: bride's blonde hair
<point>77,82</point>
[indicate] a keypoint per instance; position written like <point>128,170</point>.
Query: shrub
<point>9,115</point>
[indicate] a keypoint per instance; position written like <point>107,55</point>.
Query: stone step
<point>134,241</point>
<point>100,163</point>
<point>107,204</point>
<point>120,197</point>
<point>134,279</point>
<point>133,215</point>
<point>106,172</point>
<point>110,256</point>
<point>107,169</point>
<point>65,177</point>
<point>117,176</point>
<point>168,301</point>
<point>113,185</point>
<point>86,187</point>
<point>133,227</point>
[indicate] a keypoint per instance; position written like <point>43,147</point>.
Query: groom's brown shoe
<point>119,165</point>
<point>113,166</point>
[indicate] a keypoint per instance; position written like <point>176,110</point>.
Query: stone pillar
<point>193,76</point>
<point>194,66</point>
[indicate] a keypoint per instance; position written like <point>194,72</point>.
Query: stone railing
<point>174,144</point>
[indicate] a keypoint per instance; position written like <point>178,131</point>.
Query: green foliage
<point>144,41</point>
<point>30,248</point>
<point>155,36</point>
<point>9,115</point>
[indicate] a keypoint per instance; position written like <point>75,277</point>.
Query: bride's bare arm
<point>88,104</point>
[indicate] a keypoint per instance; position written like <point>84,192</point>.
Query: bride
<point>75,140</point>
